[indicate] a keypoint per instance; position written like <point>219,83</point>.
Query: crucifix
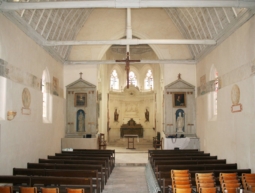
<point>127,67</point>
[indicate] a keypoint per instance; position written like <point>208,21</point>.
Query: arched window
<point>114,81</point>
<point>215,93</point>
<point>148,81</point>
<point>132,78</point>
<point>213,96</point>
<point>46,103</point>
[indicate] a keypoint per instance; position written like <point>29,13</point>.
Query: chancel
<point>79,76</point>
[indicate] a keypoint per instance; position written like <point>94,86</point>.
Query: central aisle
<point>127,180</point>
<point>128,176</point>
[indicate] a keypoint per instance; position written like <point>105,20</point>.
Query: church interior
<point>73,73</point>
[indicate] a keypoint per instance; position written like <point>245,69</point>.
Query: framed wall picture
<point>80,99</point>
<point>179,99</point>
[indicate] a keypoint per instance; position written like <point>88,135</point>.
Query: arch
<point>47,99</point>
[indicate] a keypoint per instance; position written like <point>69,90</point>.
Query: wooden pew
<point>15,181</point>
<point>94,151</point>
<point>171,151</point>
<point>166,174</point>
<point>165,181</point>
<point>108,158</point>
<point>195,167</point>
<point>99,168</point>
<point>96,180</point>
<point>62,183</point>
<point>104,164</point>
<point>152,159</point>
<point>180,155</point>
<point>187,162</point>
<point>90,152</point>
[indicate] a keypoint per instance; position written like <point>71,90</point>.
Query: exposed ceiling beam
<point>128,42</point>
<point>125,4</point>
<point>192,62</point>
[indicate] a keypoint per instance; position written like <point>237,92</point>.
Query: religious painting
<point>80,99</point>
<point>55,86</point>
<point>179,99</point>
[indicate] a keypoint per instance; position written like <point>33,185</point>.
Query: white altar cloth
<point>181,143</point>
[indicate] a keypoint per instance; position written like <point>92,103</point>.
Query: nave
<point>139,171</point>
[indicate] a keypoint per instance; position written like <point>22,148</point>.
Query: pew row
<point>97,182</point>
<point>99,168</point>
<point>104,163</point>
<point>108,158</point>
<point>52,182</point>
<point>164,180</point>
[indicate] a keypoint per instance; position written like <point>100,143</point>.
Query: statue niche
<point>180,121</point>
<point>80,121</point>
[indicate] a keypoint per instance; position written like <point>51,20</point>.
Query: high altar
<point>131,128</point>
<point>127,113</point>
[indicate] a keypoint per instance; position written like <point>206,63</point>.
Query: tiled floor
<point>128,175</point>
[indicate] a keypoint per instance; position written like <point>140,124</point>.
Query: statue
<point>80,121</point>
<point>180,123</point>
<point>147,115</point>
<point>116,116</point>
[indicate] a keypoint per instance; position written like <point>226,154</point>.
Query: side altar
<point>131,128</point>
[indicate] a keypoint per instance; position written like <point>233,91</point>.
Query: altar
<point>181,143</point>
<point>131,128</point>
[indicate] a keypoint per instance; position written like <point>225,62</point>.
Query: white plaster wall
<point>187,71</point>
<point>26,138</point>
<point>231,136</point>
